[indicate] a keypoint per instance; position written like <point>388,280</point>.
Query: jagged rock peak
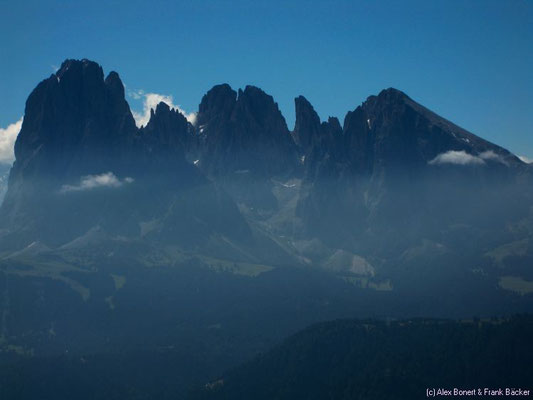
<point>258,107</point>
<point>83,73</point>
<point>222,101</point>
<point>167,122</point>
<point>167,132</point>
<point>253,92</point>
<point>393,93</point>
<point>71,117</point>
<point>307,126</point>
<point>163,107</point>
<point>334,125</point>
<point>78,71</point>
<point>387,96</point>
<point>254,102</point>
<point>115,84</point>
<point>243,131</point>
<point>388,101</point>
<point>305,111</point>
<point>393,131</point>
<point>164,114</point>
<point>219,99</point>
<point>83,66</point>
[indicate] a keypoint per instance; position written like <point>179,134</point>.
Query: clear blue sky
<point>470,61</point>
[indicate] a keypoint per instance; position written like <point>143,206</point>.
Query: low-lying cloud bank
<point>8,136</point>
<point>525,159</point>
<point>463,158</point>
<point>89,182</point>
<point>490,155</point>
<point>150,101</point>
<point>457,158</point>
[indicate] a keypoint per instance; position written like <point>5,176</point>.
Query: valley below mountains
<point>187,249</point>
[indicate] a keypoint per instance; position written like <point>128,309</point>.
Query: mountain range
<point>393,176</point>
<point>216,239</point>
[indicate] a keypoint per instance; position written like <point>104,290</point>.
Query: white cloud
<point>525,159</point>
<point>89,182</point>
<point>7,141</point>
<point>150,101</point>
<point>457,158</point>
<point>490,155</point>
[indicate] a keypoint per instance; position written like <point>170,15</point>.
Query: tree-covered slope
<point>351,359</point>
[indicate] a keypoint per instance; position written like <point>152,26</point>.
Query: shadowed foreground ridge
<point>378,360</point>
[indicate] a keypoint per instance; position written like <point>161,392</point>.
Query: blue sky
<point>470,61</point>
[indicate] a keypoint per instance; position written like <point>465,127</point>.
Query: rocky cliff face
<point>244,143</point>
<point>168,137</point>
<point>244,132</point>
<point>394,172</point>
<point>81,162</point>
<point>76,122</point>
<point>307,127</point>
<point>397,165</point>
<point>317,141</point>
<point>392,131</point>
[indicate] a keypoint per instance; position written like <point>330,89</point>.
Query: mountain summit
<point>244,131</point>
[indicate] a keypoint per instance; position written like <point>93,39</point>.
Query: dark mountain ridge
<point>396,158</point>
<point>349,359</point>
<point>244,131</point>
<point>395,185</point>
<point>80,158</point>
